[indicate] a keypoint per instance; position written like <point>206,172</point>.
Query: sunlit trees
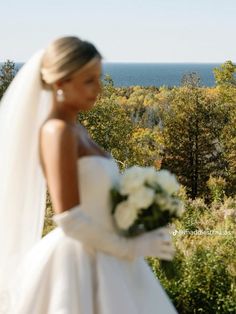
<point>192,125</point>
<point>225,74</point>
<point>228,140</point>
<point>7,72</point>
<point>110,127</point>
<point>225,77</point>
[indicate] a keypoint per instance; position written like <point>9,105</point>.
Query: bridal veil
<point>23,108</point>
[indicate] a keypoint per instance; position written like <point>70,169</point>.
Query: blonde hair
<point>65,56</point>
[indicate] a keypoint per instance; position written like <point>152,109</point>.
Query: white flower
<point>150,175</point>
<point>162,201</point>
<point>125,215</point>
<point>142,197</point>
<point>131,180</point>
<point>167,181</point>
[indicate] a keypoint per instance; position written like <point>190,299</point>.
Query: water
<point>156,74</point>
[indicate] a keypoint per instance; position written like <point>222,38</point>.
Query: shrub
<point>202,276</point>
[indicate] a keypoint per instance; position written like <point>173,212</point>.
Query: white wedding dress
<point>62,276</point>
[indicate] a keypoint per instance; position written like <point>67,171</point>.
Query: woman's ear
<point>57,85</point>
<point>60,84</point>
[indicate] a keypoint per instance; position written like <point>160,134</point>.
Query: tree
<point>108,81</point>
<point>228,139</point>
<point>191,79</point>
<point>192,125</point>
<point>108,88</point>
<point>225,78</point>
<point>145,147</point>
<point>7,73</point>
<point>225,75</point>
<point>110,127</point>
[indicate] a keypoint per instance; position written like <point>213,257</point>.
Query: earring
<point>60,95</point>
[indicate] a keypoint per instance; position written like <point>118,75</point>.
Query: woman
<point>83,266</point>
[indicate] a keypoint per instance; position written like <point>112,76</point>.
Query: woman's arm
<point>59,154</point>
<point>78,225</point>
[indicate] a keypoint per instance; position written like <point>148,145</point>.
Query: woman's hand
<point>157,243</point>
<point>78,225</point>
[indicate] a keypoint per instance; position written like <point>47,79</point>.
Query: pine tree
<point>192,124</point>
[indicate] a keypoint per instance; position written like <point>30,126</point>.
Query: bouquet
<point>145,199</point>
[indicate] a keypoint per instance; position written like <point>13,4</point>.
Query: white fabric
<point>61,275</point>
<point>23,108</point>
<point>77,224</point>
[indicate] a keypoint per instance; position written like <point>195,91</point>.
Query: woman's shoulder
<point>56,126</point>
<point>58,129</point>
<point>56,135</point>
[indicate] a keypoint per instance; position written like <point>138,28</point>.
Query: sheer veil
<point>23,108</point>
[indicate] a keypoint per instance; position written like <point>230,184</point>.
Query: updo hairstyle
<point>65,56</point>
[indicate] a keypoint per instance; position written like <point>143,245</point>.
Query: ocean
<point>156,74</point>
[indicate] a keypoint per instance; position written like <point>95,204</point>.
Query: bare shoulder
<point>59,152</point>
<point>57,140</point>
<point>58,133</point>
<point>56,127</point>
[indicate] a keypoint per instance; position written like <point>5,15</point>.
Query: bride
<point>83,266</point>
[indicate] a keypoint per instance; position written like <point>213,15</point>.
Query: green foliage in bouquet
<point>152,218</point>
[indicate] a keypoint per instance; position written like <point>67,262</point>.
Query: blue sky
<point>124,30</point>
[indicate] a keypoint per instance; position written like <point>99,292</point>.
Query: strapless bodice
<point>96,176</point>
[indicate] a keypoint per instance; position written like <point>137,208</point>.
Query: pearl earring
<point>60,95</point>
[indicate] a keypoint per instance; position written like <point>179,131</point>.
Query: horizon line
<point>150,62</point>
<point>181,62</point>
